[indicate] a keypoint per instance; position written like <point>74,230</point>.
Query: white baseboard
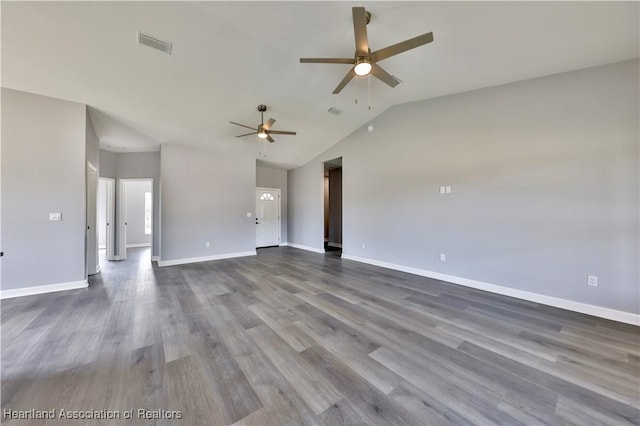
<point>584,308</point>
<point>308,248</point>
<point>284,244</point>
<point>338,245</point>
<point>155,258</point>
<point>205,258</point>
<point>136,245</point>
<point>118,257</point>
<point>50,288</point>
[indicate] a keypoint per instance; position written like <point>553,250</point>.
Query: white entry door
<point>267,217</point>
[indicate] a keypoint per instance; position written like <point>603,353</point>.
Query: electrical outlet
<point>442,190</point>
<point>207,244</point>
<point>248,214</point>
<point>55,216</point>
<point>592,280</point>
<point>447,190</point>
<point>443,257</point>
<point>362,245</point>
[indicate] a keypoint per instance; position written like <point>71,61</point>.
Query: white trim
<point>598,311</point>
<point>205,258</point>
<point>284,244</point>
<point>308,248</point>
<point>155,258</point>
<point>338,245</point>
<point>117,257</point>
<point>135,245</point>
<point>110,187</point>
<point>50,288</point>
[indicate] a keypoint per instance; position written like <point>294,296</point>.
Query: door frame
<point>91,258</point>
<point>122,215</point>
<point>262,188</point>
<point>110,219</point>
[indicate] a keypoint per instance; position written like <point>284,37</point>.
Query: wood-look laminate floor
<point>290,337</point>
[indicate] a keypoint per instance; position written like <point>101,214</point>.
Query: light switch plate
<point>442,189</point>
<point>248,214</point>
<point>55,216</point>
<point>447,189</point>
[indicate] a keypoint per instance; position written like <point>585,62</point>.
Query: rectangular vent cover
<point>335,111</point>
<point>153,42</point>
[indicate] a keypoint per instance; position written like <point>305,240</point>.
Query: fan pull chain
<point>369,82</point>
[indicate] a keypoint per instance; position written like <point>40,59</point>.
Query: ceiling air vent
<point>335,111</point>
<point>153,42</point>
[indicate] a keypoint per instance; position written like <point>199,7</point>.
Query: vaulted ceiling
<point>228,57</point>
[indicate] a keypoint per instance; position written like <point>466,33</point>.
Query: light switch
<point>442,189</point>
<point>55,216</point>
<point>248,214</point>
<point>447,190</point>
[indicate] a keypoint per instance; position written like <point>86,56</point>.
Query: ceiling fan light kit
<point>362,67</point>
<point>364,61</point>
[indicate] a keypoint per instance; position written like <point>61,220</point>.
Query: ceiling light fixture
<point>261,133</point>
<point>363,66</point>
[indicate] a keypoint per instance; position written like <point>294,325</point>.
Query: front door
<point>267,217</point>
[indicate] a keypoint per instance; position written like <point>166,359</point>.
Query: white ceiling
<point>228,57</point>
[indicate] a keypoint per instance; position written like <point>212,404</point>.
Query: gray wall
<point>134,165</point>
<point>271,177</point>
<point>335,206</point>
<point>43,171</point>
<point>544,176</point>
<point>135,211</point>
<point>92,143</point>
<point>108,164</point>
<point>205,197</point>
<point>305,207</point>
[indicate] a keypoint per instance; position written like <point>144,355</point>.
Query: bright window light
<point>148,208</point>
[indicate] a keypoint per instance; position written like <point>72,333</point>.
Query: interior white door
<point>267,217</point>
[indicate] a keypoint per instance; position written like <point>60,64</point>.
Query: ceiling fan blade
<point>238,124</point>
<point>403,46</point>
<point>280,132</point>
<point>269,123</point>
<point>381,74</point>
<point>270,139</point>
<point>327,61</point>
<point>247,134</point>
<point>347,78</point>
<point>360,31</point>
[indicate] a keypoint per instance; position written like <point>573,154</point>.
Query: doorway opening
<point>135,215</point>
<point>267,217</point>
<point>333,206</point>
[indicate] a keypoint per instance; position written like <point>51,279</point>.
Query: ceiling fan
<point>264,129</point>
<point>365,61</point>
